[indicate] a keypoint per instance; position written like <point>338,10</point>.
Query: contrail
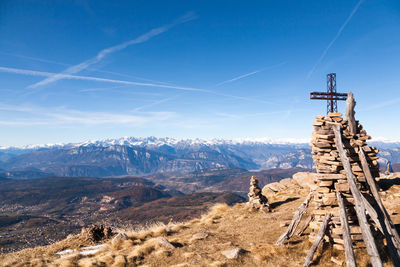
<point>239,77</point>
<point>155,103</point>
<point>89,78</point>
<point>141,39</point>
<point>335,38</point>
<point>382,104</point>
<point>250,73</point>
<point>91,69</point>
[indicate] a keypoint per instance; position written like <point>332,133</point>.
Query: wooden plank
<point>318,240</point>
<point>295,221</point>
<point>348,244</point>
<point>386,223</point>
<point>360,207</point>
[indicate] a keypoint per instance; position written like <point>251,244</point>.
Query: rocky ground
<point>225,236</point>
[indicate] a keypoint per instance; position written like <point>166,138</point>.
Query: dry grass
<point>228,227</point>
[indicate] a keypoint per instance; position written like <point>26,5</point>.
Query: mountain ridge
<point>142,156</point>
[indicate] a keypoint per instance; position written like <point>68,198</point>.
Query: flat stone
<point>200,236</point>
<point>232,253</point>
<point>305,179</point>
<point>164,243</point>
<point>276,187</point>
<point>286,182</point>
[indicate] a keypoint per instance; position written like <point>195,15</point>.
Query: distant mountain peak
<point>159,141</point>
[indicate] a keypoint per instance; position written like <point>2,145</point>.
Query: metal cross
<point>331,95</point>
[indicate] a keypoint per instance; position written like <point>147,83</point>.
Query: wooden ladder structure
<point>370,207</point>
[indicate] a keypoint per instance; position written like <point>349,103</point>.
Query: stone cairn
<point>256,199</point>
<point>332,178</point>
<point>347,198</point>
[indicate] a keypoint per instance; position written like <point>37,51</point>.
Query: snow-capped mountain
<point>132,155</point>
<point>154,142</point>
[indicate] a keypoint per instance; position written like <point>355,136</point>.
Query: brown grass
<point>228,227</point>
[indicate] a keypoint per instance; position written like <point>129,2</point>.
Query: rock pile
<point>96,233</point>
<point>325,155</point>
<point>256,199</point>
<point>331,176</point>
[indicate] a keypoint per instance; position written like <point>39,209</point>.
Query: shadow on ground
<point>385,184</point>
<point>278,203</point>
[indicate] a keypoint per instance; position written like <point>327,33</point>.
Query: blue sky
<point>71,71</point>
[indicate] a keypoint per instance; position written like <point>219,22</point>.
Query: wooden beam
<point>317,240</point>
<point>350,104</point>
<point>305,225</point>
<point>387,226</point>
<point>372,214</point>
<point>360,207</point>
<point>295,221</point>
<point>348,243</point>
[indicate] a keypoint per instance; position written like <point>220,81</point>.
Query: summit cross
<point>331,96</point>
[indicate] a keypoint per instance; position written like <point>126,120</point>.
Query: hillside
<point>204,241</point>
<point>219,180</point>
<point>42,211</point>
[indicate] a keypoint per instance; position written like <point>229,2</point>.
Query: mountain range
<point>143,156</point>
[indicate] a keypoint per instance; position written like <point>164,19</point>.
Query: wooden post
<point>305,225</point>
<point>387,227</point>
<point>295,221</point>
<point>372,213</point>
<point>348,243</point>
<point>359,204</point>
<point>350,104</point>
<point>317,240</point>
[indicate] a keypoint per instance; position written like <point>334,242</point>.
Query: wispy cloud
<point>382,104</point>
<point>155,103</point>
<point>62,116</point>
<point>90,69</point>
<point>239,77</point>
<point>248,99</point>
<point>107,51</point>
<point>89,78</point>
<point>250,74</point>
<point>286,114</point>
<point>334,38</point>
<point>122,89</point>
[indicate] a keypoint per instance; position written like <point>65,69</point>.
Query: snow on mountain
<point>157,142</point>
